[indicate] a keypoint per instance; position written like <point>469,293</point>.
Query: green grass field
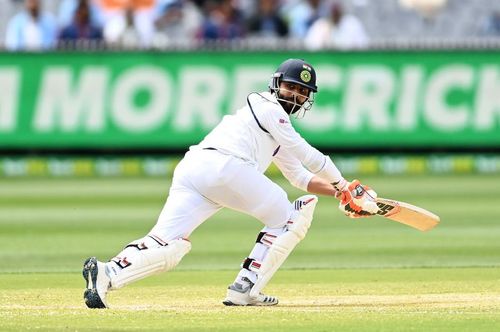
<point>347,275</point>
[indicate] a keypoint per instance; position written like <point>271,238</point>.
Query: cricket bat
<point>407,214</point>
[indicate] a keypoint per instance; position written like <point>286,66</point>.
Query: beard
<point>289,104</point>
<point>288,107</point>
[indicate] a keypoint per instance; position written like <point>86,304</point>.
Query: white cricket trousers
<point>207,180</point>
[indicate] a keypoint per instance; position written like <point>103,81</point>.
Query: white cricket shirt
<point>261,133</point>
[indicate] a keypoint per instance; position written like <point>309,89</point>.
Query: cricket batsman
<point>226,169</point>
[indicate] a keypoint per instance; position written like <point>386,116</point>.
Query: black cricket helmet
<point>299,72</point>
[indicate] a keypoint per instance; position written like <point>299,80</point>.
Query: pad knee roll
<point>300,223</point>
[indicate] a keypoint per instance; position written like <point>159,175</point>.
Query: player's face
<point>293,92</point>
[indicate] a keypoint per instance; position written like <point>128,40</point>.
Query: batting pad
<point>144,263</point>
<point>286,242</point>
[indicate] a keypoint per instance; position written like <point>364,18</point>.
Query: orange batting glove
<point>356,200</point>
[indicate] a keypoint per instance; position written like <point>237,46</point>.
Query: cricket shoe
<point>237,295</point>
<point>97,283</point>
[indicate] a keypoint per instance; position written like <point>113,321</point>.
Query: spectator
<point>180,19</point>
<point>266,22</point>
<point>301,16</point>
<point>336,30</point>
<point>82,27</point>
<point>426,8</point>
<point>67,9</point>
<point>121,31</point>
<point>222,21</point>
<point>128,21</point>
<point>32,29</point>
<point>491,25</point>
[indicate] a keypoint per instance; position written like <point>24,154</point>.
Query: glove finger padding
<point>358,200</point>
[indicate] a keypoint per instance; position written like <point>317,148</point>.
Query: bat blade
<point>407,214</point>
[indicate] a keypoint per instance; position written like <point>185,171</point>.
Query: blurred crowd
<point>155,23</point>
<point>159,23</point>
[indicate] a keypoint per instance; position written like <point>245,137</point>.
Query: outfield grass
<point>346,275</point>
<point>461,299</point>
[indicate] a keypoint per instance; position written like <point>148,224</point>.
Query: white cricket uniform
<point>226,170</point>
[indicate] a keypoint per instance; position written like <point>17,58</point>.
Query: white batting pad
<point>286,242</point>
<point>143,263</point>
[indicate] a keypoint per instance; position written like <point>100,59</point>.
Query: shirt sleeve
<point>292,169</point>
<point>277,123</point>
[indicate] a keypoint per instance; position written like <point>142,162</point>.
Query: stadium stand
<point>386,21</point>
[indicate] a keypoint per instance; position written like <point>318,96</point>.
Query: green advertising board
<point>171,100</point>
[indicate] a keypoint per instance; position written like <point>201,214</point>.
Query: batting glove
<point>357,200</point>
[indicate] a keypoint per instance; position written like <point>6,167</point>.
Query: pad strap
<point>266,239</point>
<point>251,264</point>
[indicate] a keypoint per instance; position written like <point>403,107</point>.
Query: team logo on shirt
<point>305,76</point>
<point>283,121</point>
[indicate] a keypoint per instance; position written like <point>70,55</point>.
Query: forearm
<point>320,186</point>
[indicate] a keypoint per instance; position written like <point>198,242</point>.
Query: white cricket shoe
<point>238,295</point>
<point>97,283</point>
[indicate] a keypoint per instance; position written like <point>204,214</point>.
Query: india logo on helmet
<point>305,76</point>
